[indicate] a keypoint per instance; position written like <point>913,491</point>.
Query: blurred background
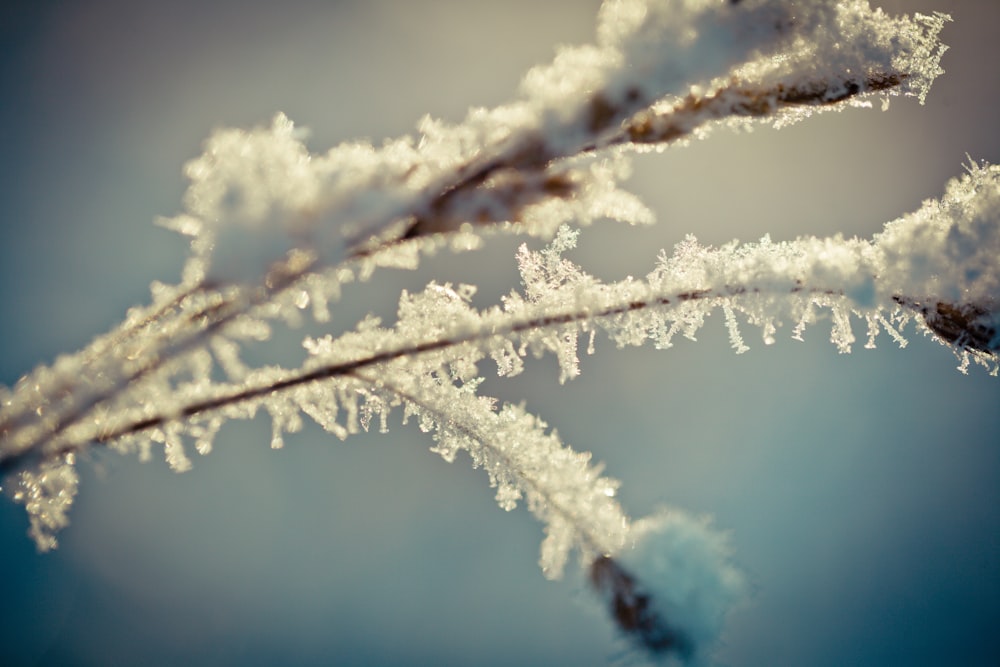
<point>860,491</point>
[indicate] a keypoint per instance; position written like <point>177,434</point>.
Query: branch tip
<point>633,611</point>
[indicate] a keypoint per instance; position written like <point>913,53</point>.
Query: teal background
<point>860,491</point>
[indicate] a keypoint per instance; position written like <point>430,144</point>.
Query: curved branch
<point>591,542</point>
<point>943,321</point>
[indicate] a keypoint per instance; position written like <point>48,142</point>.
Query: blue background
<point>860,491</point>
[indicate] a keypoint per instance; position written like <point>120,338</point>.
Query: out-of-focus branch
<point>633,611</point>
<point>500,189</point>
<point>656,126</point>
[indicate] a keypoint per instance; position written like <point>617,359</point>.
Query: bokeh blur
<point>861,491</point>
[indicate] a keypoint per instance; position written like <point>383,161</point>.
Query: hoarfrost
<point>47,494</point>
<point>277,230</point>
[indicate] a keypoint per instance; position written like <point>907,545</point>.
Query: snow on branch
<point>760,59</point>
<point>277,230</point>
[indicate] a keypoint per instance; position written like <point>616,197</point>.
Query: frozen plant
<point>277,231</point>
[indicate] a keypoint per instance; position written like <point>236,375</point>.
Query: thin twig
<point>587,538</point>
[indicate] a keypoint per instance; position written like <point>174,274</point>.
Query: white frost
<point>949,250</point>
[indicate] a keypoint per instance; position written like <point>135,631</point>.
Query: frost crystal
<point>949,249</point>
<point>47,494</point>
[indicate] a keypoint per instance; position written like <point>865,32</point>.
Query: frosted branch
<point>567,494</point>
<point>949,279</point>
